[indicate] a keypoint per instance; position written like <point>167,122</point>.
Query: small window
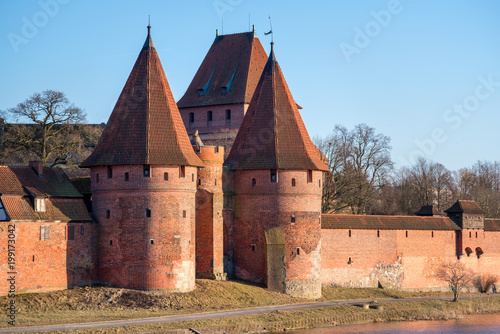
<point>432,234</point>
<point>293,182</point>
<point>470,234</point>
<point>215,181</point>
<point>216,149</point>
<point>253,247</point>
<point>309,176</point>
<point>191,118</point>
<point>108,214</point>
<point>476,235</point>
<point>165,176</point>
<point>292,219</point>
<point>146,171</point>
<point>148,213</point>
<point>152,241</point>
<point>97,178</point>
<point>111,242</point>
<point>192,177</point>
<point>71,232</point>
<point>33,258</point>
<point>209,116</point>
<point>378,234</point>
<point>182,171</point>
<point>82,230</point>
<point>44,232</point>
<point>274,177</point>
<point>184,213</point>
<point>126,176</point>
<point>298,250</point>
<point>40,204</point>
<point>349,233</point>
<point>199,182</point>
<point>228,115</point>
<point>254,182</point>
<point>110,172</point>
<point>350,261</point>
<point>407,234</point>
<point>319,183</point>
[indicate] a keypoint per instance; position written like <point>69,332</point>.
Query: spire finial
<point>149,24</point>
<point>149,41</point>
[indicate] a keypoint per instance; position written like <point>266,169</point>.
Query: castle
<point>166,210</point>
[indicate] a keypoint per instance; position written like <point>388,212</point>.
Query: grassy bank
<point>101,303</point>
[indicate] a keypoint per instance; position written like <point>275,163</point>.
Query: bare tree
<point>51,114</point>
<point>457,275</point>
<point>359,161</point>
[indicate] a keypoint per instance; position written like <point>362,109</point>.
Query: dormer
<point>38,198</point>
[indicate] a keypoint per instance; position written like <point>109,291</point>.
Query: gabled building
<point>46,226</point>
<point>220,92</point>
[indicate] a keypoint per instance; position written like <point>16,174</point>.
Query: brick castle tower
<point>277,175</point>
<point>219,94</point>
<point>143,183</point>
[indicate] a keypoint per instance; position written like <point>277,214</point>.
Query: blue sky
<point>425,73</point>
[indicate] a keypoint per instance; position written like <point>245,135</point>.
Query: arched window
<point>468,251</point>
<point>479,252</point>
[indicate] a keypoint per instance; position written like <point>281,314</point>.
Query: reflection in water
<point>487,323</point>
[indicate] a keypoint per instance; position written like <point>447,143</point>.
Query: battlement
<point>210,153</point>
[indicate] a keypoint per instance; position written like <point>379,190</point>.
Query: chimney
<point>37,167</point>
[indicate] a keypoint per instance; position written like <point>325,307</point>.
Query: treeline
<point>363,179</point>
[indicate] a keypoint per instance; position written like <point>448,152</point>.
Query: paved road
<point>211,315</point>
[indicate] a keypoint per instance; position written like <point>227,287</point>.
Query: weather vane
<point>270,31</point>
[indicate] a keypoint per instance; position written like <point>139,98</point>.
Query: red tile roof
<point>360,222</point>
<point>20,181</point>
<point>272,134</point>
<point>429,210</point>
<point>236,60</point>
<point>145,127</point>
<point>462,206</point>
<point>491,224</point>
<point>65,210</point>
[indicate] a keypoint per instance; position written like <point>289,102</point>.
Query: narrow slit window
<point>215,181</point>
<point>319,183</point>
<point>108,214</point>
<point>165,176</point>
<point>152,241</point>
<point>293,182</point>
<point>191,118</point>
<point>33,258</point>
<point>146,171</point>
<point>184,213</point>
<point>292,219</point>
<point>216,149</point>
<point>228,115</point>
<point>407,234</point>
<point>199,182</point>
<point>209,116</point>
<point>349,233</point>
<point>432,234</point>
<point>274,176</point>
<point>253,247</point>
<point>111,242</point>
<point>148,213</point>
<point>110,172</point>
<point>97,178</point>
<point>476,234</point>
<point>378,234</point>
<point>254,182</point>
<point>298,250</point>
<point>309,176</point>
<point>192,177</point>
<point>126,176</point>
<point>470,234</point>
<point>182,171</point>
<point>82,230</point>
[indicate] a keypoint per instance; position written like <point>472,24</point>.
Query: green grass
<point>103,303</point>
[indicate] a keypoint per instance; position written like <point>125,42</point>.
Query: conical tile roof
<point>272,134</point>
<point>145,127</point>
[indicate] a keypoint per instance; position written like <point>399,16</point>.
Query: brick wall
<point>261,205</point>
<point>53,264</point>
<point>218,123</point>
<point>209,221</point>
<point>137,251</point>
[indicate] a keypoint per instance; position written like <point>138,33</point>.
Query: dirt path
<point>211,315</point>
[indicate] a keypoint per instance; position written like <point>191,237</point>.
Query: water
<point>486,323</point>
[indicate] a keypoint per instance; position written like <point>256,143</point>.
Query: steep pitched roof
<point>24,181</point>
<point>272,134</point>
<point>20,208</point>
<point>462,206</point>
<point>229,73</point>
<point>362,222</point>
<point>145,126</point>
